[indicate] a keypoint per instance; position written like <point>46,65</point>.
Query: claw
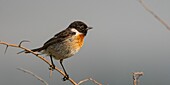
<point>52,67</point>
<point>66,77</point>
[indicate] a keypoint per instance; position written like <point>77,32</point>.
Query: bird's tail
<point>34,50</point>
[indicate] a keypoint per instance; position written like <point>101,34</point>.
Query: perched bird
<point>65,44</point>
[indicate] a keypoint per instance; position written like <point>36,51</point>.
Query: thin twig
<point>31,73</point>
<point>82,81</point>
<point>155,15</point>
<point>42,58</point>
<point>95,81</point>
<point>22,42</point>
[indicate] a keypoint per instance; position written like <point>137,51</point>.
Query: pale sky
<point>125,38</point>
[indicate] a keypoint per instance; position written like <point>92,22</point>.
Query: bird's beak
<point>89,28</point>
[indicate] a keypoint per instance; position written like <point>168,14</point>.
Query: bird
<point>65,44</point>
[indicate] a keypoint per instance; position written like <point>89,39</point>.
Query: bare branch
<point>45,60</point>
<point>155,15</point>
<point>42,58</point>
<point>95,81</point>
<point>31,73</point>
<point>82,81</point>
<point>136,76</point>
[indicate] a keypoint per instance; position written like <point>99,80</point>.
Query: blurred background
<point>125,38</point>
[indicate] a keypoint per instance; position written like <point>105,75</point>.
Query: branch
<point>45,60</point>
<point>82,81</point>
<point>31,73</point>
<point>34,53</point>
<point>136,76</point>
<point>156,16</point>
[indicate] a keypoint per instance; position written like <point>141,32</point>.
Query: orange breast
<point>78,41</point>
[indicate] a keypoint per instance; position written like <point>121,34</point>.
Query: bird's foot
<point>52,67</point>
<point>66,77</point>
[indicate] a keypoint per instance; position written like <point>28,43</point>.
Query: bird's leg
<point>52,66</point>
<point>66,77</point>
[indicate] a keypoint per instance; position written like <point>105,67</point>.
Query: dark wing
<point>58,38</point>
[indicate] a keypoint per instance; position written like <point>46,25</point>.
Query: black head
<point>80,27</point>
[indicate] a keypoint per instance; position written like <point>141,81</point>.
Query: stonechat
<point>65,44</point>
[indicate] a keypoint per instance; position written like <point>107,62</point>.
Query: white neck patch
<point>74,30</point>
